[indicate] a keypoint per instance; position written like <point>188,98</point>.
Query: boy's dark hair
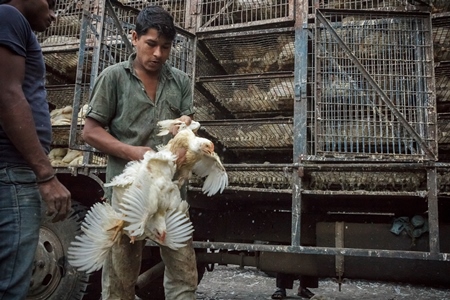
<point>158,18</point>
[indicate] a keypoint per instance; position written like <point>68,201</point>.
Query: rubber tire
<point>53,277</point>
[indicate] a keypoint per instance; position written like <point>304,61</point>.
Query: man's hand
<point>185,119</point>
<point>57,197</point>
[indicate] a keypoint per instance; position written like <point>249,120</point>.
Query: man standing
<point>26,175</point>
<point>127,101</point>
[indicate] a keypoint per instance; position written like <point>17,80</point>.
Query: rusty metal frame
<point>375,253</point>
<point>87,16</point>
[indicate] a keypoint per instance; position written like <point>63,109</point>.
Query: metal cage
<point>373,86</point>
<point>86,38</point>
<point>232,14</point>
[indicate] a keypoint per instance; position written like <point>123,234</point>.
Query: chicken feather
<point>149,205</point>
<point>167,125</point>
<point>200,157</point>
<point>89,250</point>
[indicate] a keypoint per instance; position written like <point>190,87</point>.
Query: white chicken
<point>147,204</point>
<point>200,156</point>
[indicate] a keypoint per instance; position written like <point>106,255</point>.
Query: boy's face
<point>152,50</point>
<point>40,13</point>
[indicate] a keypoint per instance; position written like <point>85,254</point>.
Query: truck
<point>331,118</point>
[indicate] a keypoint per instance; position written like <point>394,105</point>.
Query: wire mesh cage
<point>252,97</point>
<point>252,135</point>
<point>86,38</point>
<point>246,74</point>
<point>248,52</point>
<point>104,40</point>
<point>204,109</point>
<point>60,43</point>
<point>232,14</point>
<point>360,180</point>
<point>254,177</point>
<point>374,86</point>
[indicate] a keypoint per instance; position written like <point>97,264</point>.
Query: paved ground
<point>232,283</point>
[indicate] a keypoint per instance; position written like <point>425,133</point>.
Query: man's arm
<point>95,135</point>
<point>17,121</point>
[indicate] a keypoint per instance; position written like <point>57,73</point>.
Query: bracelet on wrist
<point>46,179</point>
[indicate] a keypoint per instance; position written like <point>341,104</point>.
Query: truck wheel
<point>53,277</point>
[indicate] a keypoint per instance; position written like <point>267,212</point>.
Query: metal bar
<point>260,121</point>
<point>339,242</point>
<point>79,86</point>
<point>260,149</point>
<point>372,82</point>
<point>259,167</point>
<point>376,253</point>
<point>249,189</point>
<point>374,166</point>
<point>359,12</point>
<point>432,108</point>
<point>398,167</point>
<point>420,194</point>
<point>395,158</point>
<point>296,212</point>
<point>433,210</point>
<point>278,22</point>
<point>300,114</point>
<point>98,30</point>
<point>68,47</point>
<point>267,75</point>
<point>211,36</point>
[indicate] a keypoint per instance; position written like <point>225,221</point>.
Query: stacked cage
<point>61,48</point>
<point>370,118</point>
<point>341,93</point>
<point>244,98</point>
<point>86,38</point>
<point>370,95</point>
<point>223,15</point>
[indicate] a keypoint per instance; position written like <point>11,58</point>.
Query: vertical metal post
<point>190,17</point>
<point>300,112</point>
<point>433,211</point>
<point>101,11</point>
<point>196,6</point>
<point>431,86</point>
<point>78,94</point>
<point>339,258</point>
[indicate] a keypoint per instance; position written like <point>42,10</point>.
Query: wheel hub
<point>48,265</point>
